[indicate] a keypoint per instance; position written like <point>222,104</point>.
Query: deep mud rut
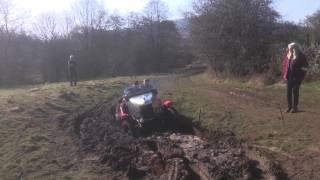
<point>167,155</point>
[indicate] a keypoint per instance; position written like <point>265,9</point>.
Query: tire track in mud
<point>166,155</point>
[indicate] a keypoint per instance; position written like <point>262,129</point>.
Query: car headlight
<point>142,99</point>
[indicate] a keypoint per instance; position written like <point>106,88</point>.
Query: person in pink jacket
<point>294,71</point>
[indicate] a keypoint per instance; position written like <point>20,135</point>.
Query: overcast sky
<point>292,10</point>
<point>36,7</point>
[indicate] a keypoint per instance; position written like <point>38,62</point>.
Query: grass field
<point>255,113</point>
<point>32,143</point>
<point>34,146</point>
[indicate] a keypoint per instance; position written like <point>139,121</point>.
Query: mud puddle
<point>168,155</point>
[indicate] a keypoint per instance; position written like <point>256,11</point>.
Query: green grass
<point>198,106</point>
<point>31,143</point>
<point>253,113</point>
<point>33,146</point>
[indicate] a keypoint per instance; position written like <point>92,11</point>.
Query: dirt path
<point>167,155</point>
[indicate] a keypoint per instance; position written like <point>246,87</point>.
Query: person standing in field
<point>294,70</point>
<point>146,84</point>
<point>72,68</point>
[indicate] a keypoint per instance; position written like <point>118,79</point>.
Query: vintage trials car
<point>140,110</point>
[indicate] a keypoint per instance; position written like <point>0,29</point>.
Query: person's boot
<point>289,109</point>
<point>295,110</point>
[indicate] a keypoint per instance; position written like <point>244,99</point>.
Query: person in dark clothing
<point>135,84</point>
<point>124,106</point>
<point>146,84</point>
<point>72,67</point>
<point>294,70</point>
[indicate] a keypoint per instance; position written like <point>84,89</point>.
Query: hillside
<point>57,132</point>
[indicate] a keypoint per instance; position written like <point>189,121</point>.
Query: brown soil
<point>167,155</point>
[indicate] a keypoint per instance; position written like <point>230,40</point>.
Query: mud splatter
<point>169,155</point>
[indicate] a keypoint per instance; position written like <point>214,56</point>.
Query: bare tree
<point>89,13</point>
<point>10,18</point>
<point>10,21</point>
<point>133,20</point>
<point>156,10</point>
<point>234,35</point>
<point>67,24</point>
<point>46,27</point>
<point>313,24</point>
<point>103,44</point>
<point>115,22</point>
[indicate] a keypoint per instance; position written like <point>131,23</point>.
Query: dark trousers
<point>73,77</point>
<point>293,93</point>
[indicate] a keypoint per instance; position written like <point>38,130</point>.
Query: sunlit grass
<point>31,143</point>
<point>217,99</point>
<point>28,137</point>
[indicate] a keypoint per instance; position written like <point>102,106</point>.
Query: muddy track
<point>167,155</point>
